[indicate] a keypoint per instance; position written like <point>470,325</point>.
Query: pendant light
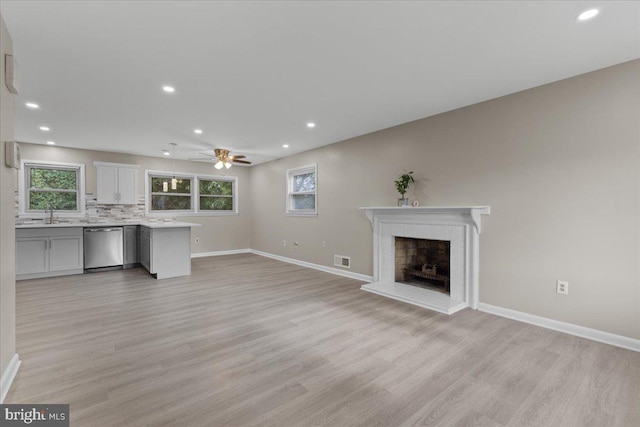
<point>174,181</point>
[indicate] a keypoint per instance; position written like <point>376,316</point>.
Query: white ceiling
<point>252,74</point>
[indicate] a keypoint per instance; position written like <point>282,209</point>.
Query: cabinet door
<point>66,253</point>
<point>145,248</point>
<point>107,184</point>
<point>32,255</point>
<point>131,244</point>
<point>127,186</point>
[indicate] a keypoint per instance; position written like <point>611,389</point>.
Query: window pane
<point>304,201</point>
<point>216,188</point>
<point>183,185</point>
<point>304,182</point>
<point>60,179</point>
<point>216,203</point>
<point>168,203</point>
<point>40,200</point>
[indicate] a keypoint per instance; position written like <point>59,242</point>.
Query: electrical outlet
<point>562,287</point>
<point>197,240</point>
<point>284,243</point>
<point>324,244</point>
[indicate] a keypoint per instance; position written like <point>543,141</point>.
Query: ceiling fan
<point>224,160</point>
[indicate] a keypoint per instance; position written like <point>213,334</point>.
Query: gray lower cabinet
<point>131,246</point>
<point>145,248</point>
<point>46,252</point>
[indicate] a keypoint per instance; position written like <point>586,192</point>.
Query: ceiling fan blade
<point>241,156</point>
<point>202,159</point>
<point>208,155</point>
<point>241,161</point>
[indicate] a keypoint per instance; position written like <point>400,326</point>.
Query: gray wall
<point>558,164</point>
<point>7,240</point>
<point>218,233</point>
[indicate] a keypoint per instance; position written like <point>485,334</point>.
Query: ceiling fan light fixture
<point>219,165</point>
<point>227,164</point>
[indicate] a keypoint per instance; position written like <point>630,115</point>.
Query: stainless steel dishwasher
<point>103,248</point>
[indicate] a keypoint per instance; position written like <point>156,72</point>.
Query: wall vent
<point>342,261</point>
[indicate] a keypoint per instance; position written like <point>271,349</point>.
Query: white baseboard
<point>349,274</point>
<point>8,375</point>
<point>219,253</point>
<point>567,328</point>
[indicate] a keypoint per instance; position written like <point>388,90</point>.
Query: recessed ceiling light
<point>51,143</point>
<point>285,145</point>
<point>32,105</point>
<point>588,14</point>
<point>166,152</point>
<point>311,125</point>
<point>44,128</point>
<point>168,89</point>
<point>198,131</point>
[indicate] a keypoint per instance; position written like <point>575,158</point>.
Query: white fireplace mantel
<point>473,211</point>
<point>461,225</point>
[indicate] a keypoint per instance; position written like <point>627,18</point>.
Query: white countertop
<point>150,224</point>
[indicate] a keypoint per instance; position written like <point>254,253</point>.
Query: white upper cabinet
<point>117,183</point>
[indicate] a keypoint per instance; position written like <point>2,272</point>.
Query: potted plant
<point>402,184</point>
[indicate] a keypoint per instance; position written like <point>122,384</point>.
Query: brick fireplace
<point>427,256</point>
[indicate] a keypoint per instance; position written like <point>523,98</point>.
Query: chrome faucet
<point>50,209</point>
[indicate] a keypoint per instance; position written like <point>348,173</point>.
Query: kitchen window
<point>171,193</point>
<point>216,194</point>
<point>178,194</point>
<point>48,185</point>
<point>301,191</point>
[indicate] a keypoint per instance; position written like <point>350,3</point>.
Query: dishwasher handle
<point>99,230</point>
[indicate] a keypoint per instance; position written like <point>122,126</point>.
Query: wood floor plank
<point>250,341</point>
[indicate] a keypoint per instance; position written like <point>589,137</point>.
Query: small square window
<point>302,191</point>
<point>47,185</point>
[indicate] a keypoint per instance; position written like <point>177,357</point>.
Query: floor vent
<point>342,261</point>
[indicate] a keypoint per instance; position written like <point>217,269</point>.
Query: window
<point>165,198</point>
<point>45,185</point>
<point>192,195</point>
<point>301,191</point>
<point>216,195</point>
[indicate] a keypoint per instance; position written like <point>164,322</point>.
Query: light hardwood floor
<point>250,341</point>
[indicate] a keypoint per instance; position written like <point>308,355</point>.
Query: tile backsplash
<point>95,213</point>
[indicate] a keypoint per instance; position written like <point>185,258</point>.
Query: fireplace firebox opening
<point>423,262</point>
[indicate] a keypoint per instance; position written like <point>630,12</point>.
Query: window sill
<point>301,214</point>
<point>172,214</point>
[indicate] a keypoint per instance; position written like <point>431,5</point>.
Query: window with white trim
<point>48,185</point>
<point>302,190</point>
<point>170,193</point>
<point>176,194</point>
<point>216,194</point>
